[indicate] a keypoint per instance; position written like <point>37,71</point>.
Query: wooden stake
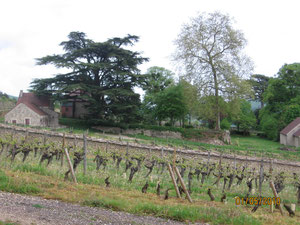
<point>183,185</point>
<point>70,166</point>
<point>174,159</point>
<point>276,196</point>
<point>261,175</point>
<point>272,208</point>
<point>173,180</point>
<point>293,207</point>
<point>85,153</point>
<point>63,147</point>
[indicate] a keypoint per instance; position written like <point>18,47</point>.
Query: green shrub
<point>225,124</point>
<point>269,125</point>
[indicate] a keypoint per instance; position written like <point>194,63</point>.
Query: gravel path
<point>34,210</point>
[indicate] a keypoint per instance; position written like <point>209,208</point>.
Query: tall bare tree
<point>210,51</point>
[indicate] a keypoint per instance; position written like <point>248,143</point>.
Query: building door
<point>14,121</point>
<point>27,121</point>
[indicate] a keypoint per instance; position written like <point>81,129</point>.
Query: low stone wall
<point>150,133</point>
<point>210,137</point>
<point>154,133</point>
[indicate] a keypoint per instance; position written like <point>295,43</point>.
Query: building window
<point>27,121</point>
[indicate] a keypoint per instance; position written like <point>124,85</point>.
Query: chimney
<point>21,94</point>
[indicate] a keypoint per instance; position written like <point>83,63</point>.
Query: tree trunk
<point>217,97</point>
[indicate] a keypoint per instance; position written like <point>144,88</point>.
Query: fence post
<point>63,146</point>
<point>261,176</point>
<point>45,138</point>
<point>85,153</point>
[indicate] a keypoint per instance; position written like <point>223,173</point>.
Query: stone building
<point>290,135</point>
<point>33,110</point>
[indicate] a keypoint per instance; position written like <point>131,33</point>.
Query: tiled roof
<point>35,109</point>
<point>297,133</point>
<point>291,126</point>
<point>33,102</point>
<point>31,98</point>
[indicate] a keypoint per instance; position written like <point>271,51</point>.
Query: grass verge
<point>136,202</point>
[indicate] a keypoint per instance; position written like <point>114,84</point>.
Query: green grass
<point>240,145</point>
<point>9,185</point>
<point>178,212</point>
<point>8,223</point>
<point>35,168</point>
<point>38,206</point>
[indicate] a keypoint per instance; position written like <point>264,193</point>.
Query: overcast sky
<point>34,28</point>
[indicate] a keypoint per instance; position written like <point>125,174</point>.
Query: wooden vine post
<point>70,166</point>
<point>276,196</point>
<point>173,180</point>
<point>271,178</point>
<point>183,185</point>
<point>45,138</point>
<point>261,176</point>
<point>63,147</point>
<point>85,153</point>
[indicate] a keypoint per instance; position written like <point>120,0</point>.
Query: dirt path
<point>34,210</point>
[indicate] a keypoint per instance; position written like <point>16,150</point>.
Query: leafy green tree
<point>104,72</point>
<point>191,99</point>
<point>170,104</point>
<point>246,119</point>
<point>259,85</point>
<point>269,125</point>
<point>207,109</point>
<point>210,50</point>
<point>157,79</point>
<point>283,101</point>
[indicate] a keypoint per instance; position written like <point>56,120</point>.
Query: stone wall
<point>210,137</point>
<point>153,133</point>
<point>22,112</point>
<point>52,118</point>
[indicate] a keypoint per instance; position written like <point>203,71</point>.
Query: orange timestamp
<point>257,201</point>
